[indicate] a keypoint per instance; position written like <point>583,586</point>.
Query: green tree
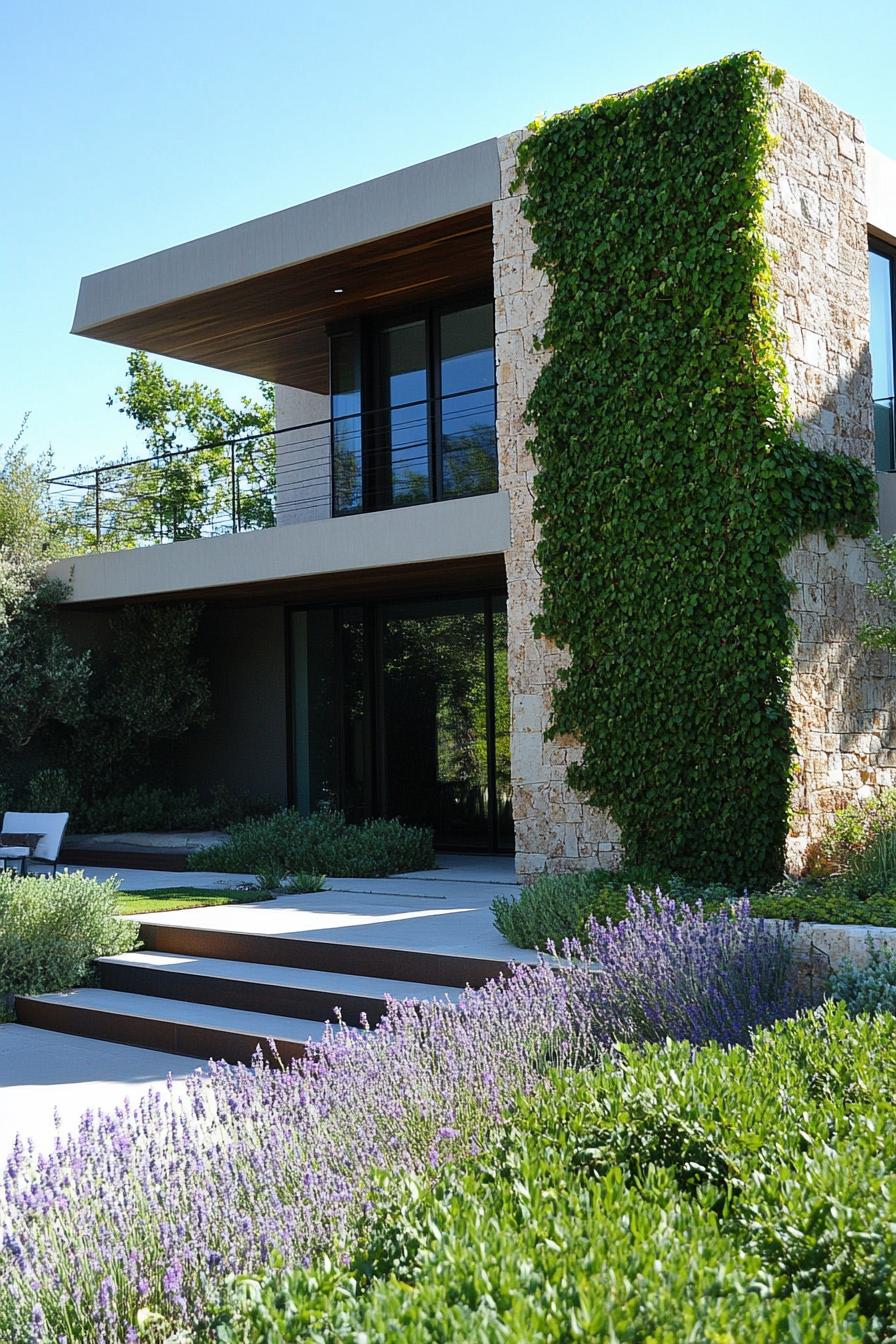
<point>42,679</point>
<point>173,494</point>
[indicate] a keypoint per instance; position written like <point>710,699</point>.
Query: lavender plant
<point>128,1229</point>
<point>129,1224</point>
<point>671,970</point>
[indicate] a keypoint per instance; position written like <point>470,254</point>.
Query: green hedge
<point>289,842</point>
<point>669,483</point>
<point>670,1195</point>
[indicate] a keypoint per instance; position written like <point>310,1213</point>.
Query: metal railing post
<point>96,506</point>
<point>233,514</point>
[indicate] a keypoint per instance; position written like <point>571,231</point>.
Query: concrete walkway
<point>445,910</point>
<point>48,1080</point>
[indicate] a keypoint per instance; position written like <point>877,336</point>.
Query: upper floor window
<point>413,407</point>
<point>882,271</point>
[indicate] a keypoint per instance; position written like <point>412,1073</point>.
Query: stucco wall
<point>817,223</point>
<point>303,455</point>
<point>245,745</point>
<point>841,693</point>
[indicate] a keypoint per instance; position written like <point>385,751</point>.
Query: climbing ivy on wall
<point>669,483</point>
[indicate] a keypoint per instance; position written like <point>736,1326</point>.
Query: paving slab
<point>257,974</point>
<point>42,1072</point>
<point>153,879</point>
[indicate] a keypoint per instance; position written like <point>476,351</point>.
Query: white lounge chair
<point>47,828</point>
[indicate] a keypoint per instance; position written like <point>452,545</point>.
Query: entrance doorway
<point>401,709</point>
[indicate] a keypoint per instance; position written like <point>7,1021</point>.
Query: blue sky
<point>130,128</point>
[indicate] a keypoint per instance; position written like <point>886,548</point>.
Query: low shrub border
<point>325,842</point>
<point>557,907</point>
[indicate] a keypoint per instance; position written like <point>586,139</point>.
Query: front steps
<point>176,1026</point>
<point>214,993</point>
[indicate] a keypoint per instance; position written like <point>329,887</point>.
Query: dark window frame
<point>888,250</point>
<point>375,498</point>
<point>372,613</point>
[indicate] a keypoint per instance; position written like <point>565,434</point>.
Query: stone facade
<point>841,693</point>
<point>555,830</point>
<point>844,728</point>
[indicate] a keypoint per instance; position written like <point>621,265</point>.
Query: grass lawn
<point>181,898</point>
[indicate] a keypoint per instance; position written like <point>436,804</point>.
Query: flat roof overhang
<point>444,547</point>
<point>256,299</point>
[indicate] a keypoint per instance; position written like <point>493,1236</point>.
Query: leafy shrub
<point>50,790</point>
<point>873,869</point>
<point>144,808</point>
<point>159,809</point>
<point>870,988</point>
<point>51,928</point>
<point>851,831</point>
<point>558,906</point>
<point>666,1195</point>
<point>325,842</point>
<point>824,901</point>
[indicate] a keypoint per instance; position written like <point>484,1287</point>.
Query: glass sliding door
<point>469,453</point>
<point>435,720</point>
<point>501,787</point>
<point>402,710</point>
<point>331,721</point>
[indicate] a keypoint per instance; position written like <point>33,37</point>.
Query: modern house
<point>374,649</point>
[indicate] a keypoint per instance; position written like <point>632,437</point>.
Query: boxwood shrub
<point>325,842</point>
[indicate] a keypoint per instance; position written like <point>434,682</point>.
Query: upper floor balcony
<point>361,461</point>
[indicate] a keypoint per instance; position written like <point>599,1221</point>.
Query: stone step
<point>336,957</point>
<point>205,1031</point>
<point>251,987</point>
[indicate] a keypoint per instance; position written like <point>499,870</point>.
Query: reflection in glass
<point>330,711</point>
<point>469,447</point>
<point>435,720</point>
<point>403,710</point>
<point>882,362</point>
<point>345,408</point>
<point>503,792</point>
<point>407,390</point>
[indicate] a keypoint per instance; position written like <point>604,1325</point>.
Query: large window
<point>882,269</point>
<point>413,406</point>
<point>402,709</point>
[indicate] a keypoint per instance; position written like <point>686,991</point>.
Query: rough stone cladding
<point>844,729</point>
<point>816,218</point>
<point>555,830</point>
